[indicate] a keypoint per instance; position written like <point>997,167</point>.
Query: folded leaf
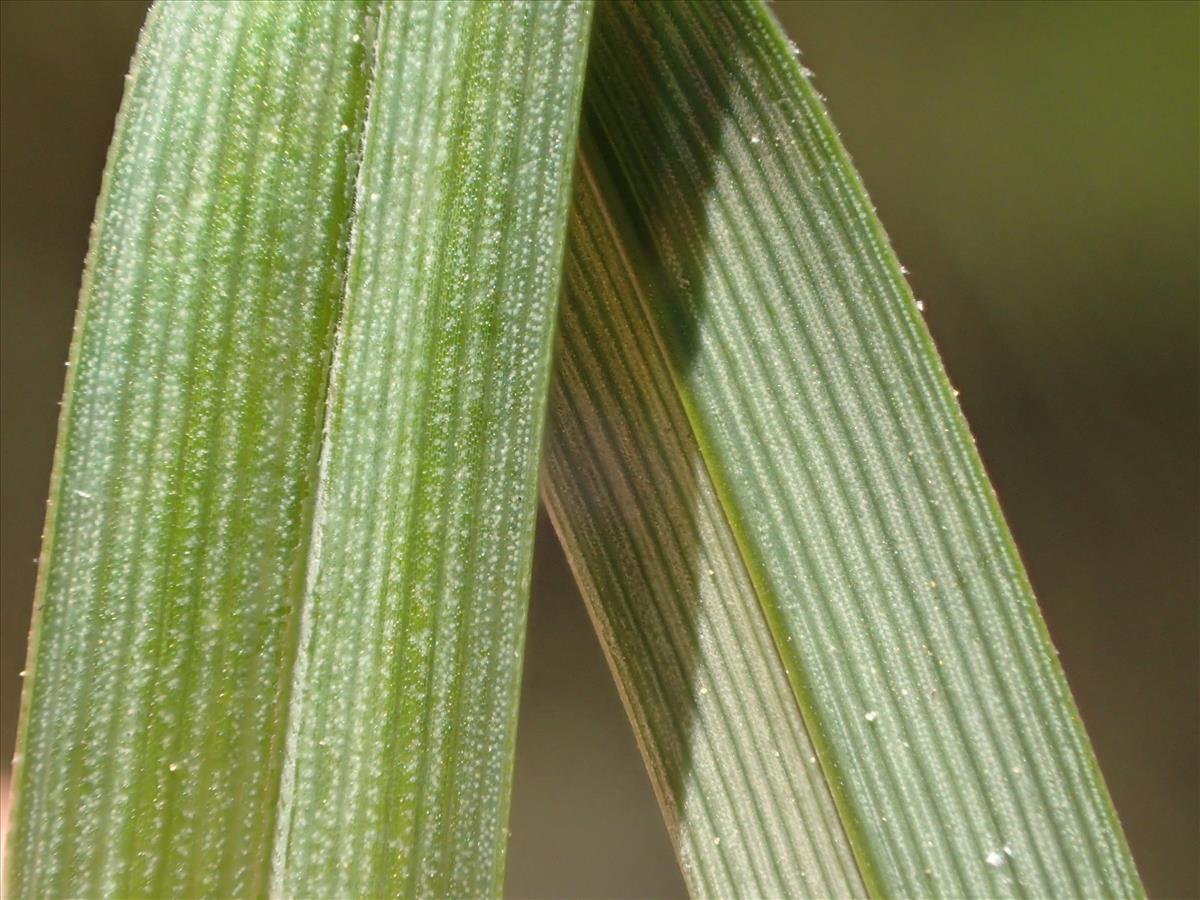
<point>256,646</point>
<point>728,278</point>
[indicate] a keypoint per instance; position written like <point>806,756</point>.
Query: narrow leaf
<point>762,314</point>
<point>148,757</point>
<point>404,701</point>
<point>735,770</point>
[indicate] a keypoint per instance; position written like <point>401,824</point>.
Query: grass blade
<point>821,419</point>
<point>404,702</point>
<point>678,616</point>
<point>244,657</point>
<point>147,758</point>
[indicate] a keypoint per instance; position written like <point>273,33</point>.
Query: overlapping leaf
<point>252,646</point>
<point>736,328</point>
<point>282,592</point>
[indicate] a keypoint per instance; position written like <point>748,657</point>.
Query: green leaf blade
<point>832,438</point>
<point>678,617</point>
<point>413,627</point>
<point>188,443</point>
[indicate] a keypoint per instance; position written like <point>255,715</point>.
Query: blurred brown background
<point>1038,168</point>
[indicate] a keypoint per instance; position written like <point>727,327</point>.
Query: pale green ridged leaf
<point>403,711</point>
<point>748,403</point>
<point>259,648</point>
<point>148,759</point>
<point>745,800</point>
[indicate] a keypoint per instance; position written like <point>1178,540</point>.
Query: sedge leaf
<point>728,278</point>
